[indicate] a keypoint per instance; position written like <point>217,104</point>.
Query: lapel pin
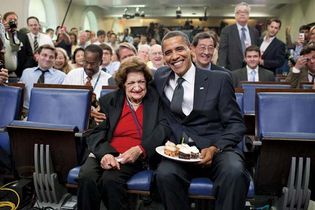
<point>201,88</point>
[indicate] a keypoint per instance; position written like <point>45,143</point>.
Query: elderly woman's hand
<point>108,161</point>
<point>131,155</point>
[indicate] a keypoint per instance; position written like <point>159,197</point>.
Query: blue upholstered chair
<point>57,115</point>
<point>11,99</point>
<point>250,93</point>
<point>140,183</point>
<point>107,89</point>
<point>307,85</point>
<point>285,126</point>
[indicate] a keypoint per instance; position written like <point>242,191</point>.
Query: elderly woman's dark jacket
<point>155,128</point>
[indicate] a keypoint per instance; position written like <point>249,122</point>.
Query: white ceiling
<point>189,8</point>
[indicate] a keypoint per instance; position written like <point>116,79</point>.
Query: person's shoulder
<point>267,71</point>
<point>105,74</point>
<point>161,72</point>
<point>58,72</point>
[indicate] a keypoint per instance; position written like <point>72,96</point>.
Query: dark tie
<point>35,43</point>
<point>243,39</point>
<point>41,78</point>
<point>178,95</point>
<point>104,69</point>
<point>88,81</point>
<point>313,77</point>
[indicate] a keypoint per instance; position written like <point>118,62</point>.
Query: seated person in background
<point>78,58</point>
<point>108,65</point>
<point>3,76</point>
<point>43,73</point>
<point>124,141</point>
<point>203,46</point>
<point>304,69</point>
<point>90,73</point>
<point>252,72</point>
<point>62,61</point>
<point>156,57</point>
<point>143,52</point>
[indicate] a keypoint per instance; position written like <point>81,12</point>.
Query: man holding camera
<point>18,52</point>
<point>304,69</point>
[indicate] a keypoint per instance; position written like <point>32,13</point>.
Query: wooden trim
<point>63,86</point>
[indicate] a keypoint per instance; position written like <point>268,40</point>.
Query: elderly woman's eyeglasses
<point>134,83</point>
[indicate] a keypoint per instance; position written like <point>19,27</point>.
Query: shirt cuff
<point>295,70</point>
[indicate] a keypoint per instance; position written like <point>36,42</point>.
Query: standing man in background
<point>235,38</point>
<point>35,37</point>
<point>272,49</point>
<point>18,52</point>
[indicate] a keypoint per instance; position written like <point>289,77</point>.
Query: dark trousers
<point>109,186</point>
<point>231,181</point>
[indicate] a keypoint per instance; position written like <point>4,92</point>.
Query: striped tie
<point>35,43</point>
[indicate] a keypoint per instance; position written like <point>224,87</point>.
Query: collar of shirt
<point>310,75</point>
<point>249,70</point>
<point>239,27</point>
<point>189,76</point>
<point>50,70</point>
<point>269,40</point>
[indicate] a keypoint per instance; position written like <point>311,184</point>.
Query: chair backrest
<point>10,103</point>
<point>60,104</point>
<point>250,92</point>
<point>107,89</point>
<point>285,112</point>
<point>307,85</point>
<point>239,94</point>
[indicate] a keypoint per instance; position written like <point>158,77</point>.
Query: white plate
<point>160,150</point>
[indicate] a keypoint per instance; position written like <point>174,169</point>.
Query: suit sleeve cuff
<point>295,70</point>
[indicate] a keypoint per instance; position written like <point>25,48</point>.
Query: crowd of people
<point>169,89</point>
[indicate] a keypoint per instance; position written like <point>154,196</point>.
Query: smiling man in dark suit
<point>235,38</point>
<point>201,110</point>
<point>272,49</point>
<point>252,72</point>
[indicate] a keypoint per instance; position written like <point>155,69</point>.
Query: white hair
<point>242,4</point>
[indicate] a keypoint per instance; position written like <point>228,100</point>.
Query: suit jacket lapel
<point>200,89</point>
<point>243,76</point>
<point>270,47</point>
<point>116,106</point>
<point>160,87</point>
<point>237,36</point>
<point>148,107</point>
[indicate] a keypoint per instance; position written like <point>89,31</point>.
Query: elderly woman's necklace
<point>133,104</point>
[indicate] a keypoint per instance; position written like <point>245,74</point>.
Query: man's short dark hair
<point>307,50</point>
<point>49,29</point>
<point>107,47</point>
<point>274,20</point>
<point>204,35</point>
<point>9,13</point>
<point>32,17</point>
<point>100,33</point>
<point>252,48</point>
<point>172,34</point>
<point>304,28</point>
<point>48,47</point>
<point>94,49</point>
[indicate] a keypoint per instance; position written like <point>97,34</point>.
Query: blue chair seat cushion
<point>73,175</point>
<point>204,187</point>
<point>140,181</point>
<point>40,125</point>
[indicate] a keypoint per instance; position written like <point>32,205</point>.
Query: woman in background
<point>78,58</point>
<point>62,61</point>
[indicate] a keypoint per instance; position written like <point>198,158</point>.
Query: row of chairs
<point>141,182</point>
